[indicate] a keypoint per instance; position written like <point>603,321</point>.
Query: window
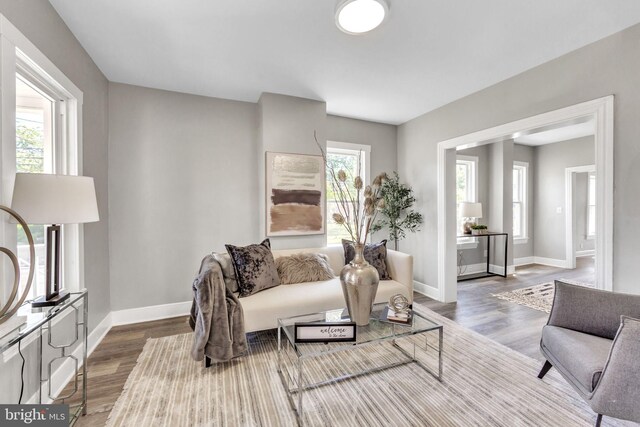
<point>34,154</point>
<point>354,160</point>
<point>43,110</point>
<point>520,171</point>
<point>591,206</point>
<point>466,183</point>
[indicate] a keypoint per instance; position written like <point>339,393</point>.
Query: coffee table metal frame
<point>296,385</point>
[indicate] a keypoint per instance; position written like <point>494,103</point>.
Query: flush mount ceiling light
<point>360,16</point>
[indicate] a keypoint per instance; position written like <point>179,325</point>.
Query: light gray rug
<point>539,297</point>
<point>485,384</point>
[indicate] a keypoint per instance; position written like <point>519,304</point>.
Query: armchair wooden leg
<point>599,420</point>
<point>545,369</point>
<point>207,362</point>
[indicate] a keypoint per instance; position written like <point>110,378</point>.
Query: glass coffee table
<point>395,337</point>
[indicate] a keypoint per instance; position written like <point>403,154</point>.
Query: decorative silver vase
<point>359,285</point>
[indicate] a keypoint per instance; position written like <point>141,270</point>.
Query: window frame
<point>472,161</point>
<point>523,168</point>
<point>591,203</point>
<point>19,56</point>
<point>337,147</point>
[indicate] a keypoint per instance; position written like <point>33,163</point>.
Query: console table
<point>488,272</point>
<point>40,320</point>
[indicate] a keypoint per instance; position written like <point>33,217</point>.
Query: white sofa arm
<point>400,267</point>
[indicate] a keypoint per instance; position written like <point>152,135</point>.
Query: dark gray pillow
<point>374,253</point>
<point>254,267</point>
<point>228,273</point>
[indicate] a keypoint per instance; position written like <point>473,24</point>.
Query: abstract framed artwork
<point>295,194</point>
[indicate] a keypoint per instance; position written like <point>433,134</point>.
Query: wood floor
<point>513,325</point>
<point>110,364</point>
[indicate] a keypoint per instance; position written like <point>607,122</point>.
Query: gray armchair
<point>593,339</point>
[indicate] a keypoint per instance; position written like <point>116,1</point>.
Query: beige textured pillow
<point>300,268</point>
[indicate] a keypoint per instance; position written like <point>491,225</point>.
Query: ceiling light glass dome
<point>360,16</point>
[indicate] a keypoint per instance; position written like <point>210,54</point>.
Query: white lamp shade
<point>55,199</point>
<point>470,210</point>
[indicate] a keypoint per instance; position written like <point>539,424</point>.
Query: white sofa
<point>262,310</point>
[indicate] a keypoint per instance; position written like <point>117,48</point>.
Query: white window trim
<point>469,242</point>
<point>521,240</point>
<point>18,53</point>
<point>349,148</point>
<point>590,236</point>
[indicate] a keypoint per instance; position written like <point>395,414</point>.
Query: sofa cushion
<point>374,253</point>
<point>254,266</point>
<point>228,272</point>
<point>300,268</point>
<point>578,356</point>
<point>262,310</point>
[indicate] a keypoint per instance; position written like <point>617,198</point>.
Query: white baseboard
<point>473,268</point>
<point>551,262</point>
<point>588,252</point>
<point>524,261</point>
<point>147,314</point>
<point>499,269</point>
<point>427,290</point>
<point>482,267</point>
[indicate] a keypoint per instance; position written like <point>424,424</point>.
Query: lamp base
<point>42,301</point>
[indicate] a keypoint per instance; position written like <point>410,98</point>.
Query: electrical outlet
<point>559,209</point>
<point>485,252</point>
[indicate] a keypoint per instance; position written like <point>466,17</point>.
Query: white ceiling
<point>427,54</point>
<point>558,134</point>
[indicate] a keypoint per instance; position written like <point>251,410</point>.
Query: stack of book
<point>396,316</point>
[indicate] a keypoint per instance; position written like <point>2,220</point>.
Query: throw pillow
<point>254,267</point>
<point>301,268</point>
<point>374,253</point>
<point>228,273</point>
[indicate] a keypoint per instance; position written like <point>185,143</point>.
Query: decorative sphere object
<point>399,303</point>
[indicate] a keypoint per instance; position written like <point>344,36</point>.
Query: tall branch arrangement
<point>358,205</point>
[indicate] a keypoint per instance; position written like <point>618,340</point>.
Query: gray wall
<point>286,125</point>
<point>550,163</point>
<point>609,66</point>
<point>183,183</point>
<point>40,23</point>
<point>187,176</point>
<point>381,138</point>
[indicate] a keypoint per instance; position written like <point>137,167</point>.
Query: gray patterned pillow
<point>302,268</point>
<point>254,267</point>
<point>374,253</point>
<point>228,273</point>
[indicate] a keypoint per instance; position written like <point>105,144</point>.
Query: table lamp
<point>53,200</point>
<point>470,211</point>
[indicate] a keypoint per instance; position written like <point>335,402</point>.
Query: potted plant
<point>398,217</point>
<point>478,229</point>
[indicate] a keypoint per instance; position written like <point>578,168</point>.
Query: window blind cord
<point>21,374</point>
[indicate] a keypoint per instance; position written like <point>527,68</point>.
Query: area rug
<point>538,297</point>
<point>484,384</point>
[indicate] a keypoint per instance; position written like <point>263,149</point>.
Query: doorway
<point>600,111</point>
